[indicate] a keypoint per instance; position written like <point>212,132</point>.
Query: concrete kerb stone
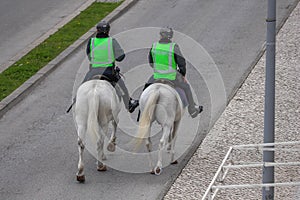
<point>16,96</point>
<point>21,92</point>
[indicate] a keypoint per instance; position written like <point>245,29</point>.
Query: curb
<point>21,92</point>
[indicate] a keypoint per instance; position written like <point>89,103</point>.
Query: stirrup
<point>196,110</point>
<point>132,105</point>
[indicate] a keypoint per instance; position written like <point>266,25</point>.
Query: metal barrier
<point>223,169</point>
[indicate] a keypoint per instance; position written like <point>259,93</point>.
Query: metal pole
<point>268,156</point>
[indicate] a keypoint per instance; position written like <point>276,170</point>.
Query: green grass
<point>28,65</point>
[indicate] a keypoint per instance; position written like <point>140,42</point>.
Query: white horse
<point>97,104</point>
<point>161,103</point>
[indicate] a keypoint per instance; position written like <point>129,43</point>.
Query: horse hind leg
<point>80,173</point>
<point>170,138</point>
<point>100,143</point>
<point>173,138</point>
<point>80,121</point>
<point>162,143</point>
<point>149,148</point>
<point>100,165</point>
<point>112,142</point>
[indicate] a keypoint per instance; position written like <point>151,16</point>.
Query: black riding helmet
<point>103,27</point>
<point>166,32</point>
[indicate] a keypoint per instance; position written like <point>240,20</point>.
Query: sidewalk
<point>242,123</point>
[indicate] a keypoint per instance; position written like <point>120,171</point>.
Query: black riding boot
<point>193,109</point>
<point>130,104</point>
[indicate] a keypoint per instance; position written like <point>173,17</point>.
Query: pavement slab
<point>242,123</point>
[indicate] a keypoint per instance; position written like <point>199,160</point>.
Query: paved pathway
<point>242,123</point>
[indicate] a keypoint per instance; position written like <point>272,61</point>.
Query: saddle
<point>112,82</point>
<point>103,77</point>
<point>180,91</point>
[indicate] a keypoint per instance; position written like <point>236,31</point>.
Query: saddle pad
<point>182,96</point>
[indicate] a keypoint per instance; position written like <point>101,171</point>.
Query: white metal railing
<point>223,169</point>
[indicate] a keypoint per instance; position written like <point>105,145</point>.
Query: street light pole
<point>269,118</point>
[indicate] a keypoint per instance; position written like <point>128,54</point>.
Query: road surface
<point>24,22</point>
<point>38,141</point>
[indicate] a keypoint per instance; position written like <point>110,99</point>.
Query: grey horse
<point>97,104</point>
<point>161,103</point>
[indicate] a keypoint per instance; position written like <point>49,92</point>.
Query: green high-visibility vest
<point>102,53</point>
<point>164,64</point>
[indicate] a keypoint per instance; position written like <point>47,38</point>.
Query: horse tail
<point>147,114</point>
<point>93,109</point>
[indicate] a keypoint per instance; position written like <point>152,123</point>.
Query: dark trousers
<point>178,82</point>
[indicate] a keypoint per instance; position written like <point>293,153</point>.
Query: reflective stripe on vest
<point>102,54</point>
<point>164,61</point>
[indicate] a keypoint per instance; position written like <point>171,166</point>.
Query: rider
<point>164,57</point>
<point>102,52</point>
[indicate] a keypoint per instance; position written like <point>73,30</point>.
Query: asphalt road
<point>38,141</point>
<point>23,22</point>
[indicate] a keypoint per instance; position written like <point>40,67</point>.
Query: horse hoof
<point>152,171</point>
<point>158,170</point>
<point>111,147</point>
<point>102,168</point>
<point>174,162</point>
<point>81,178</point>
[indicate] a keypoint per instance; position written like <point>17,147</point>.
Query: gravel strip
<point>242,123</point>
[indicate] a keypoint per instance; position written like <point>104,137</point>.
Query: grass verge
<point>14,76</point>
